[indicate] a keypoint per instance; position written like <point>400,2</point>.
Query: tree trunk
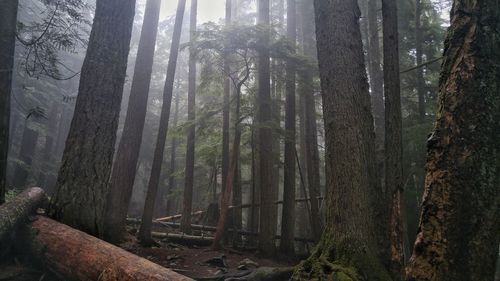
<point>376,84</point>
<point>26,153</point>
<point>191,129</point>
<point>348,247</point>
<point>127,154</point>
<point>17,210</point>
<point>225,110</point>
<point>458,233</point>
<point>311,139</point>
<point>154,179</point>
<point>264,116</point>
<point>288,215</point>
<point>418,53</point>
<point>8,23</point>
<point>173,158</point>
<point>77,256</point>
<point>393,145</point>
<point>80,196</point>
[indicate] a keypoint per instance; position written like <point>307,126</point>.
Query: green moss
<point>345,262</point>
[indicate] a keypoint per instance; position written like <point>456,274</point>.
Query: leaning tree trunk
<point>226,109</point>
<point>154,179</point>
<point>191,129</point>
<point>288,215</point>
<point>459,225</point>
<point>8,23</point>
<point>265,159</point>
<point>348,248</point>
<point>80,196</point>
<point>173,159</point>
<point>127,154</point>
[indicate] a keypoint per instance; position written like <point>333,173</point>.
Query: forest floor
<point>199,263</point>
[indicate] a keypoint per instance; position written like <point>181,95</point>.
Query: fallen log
<point>78,256</point>
<point>17,210</point>
<point>184,239</point>
<point>175,225</point>
<point>176,217</point>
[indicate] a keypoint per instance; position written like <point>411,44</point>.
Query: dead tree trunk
<point>79,256</point>
<point>16,211</point>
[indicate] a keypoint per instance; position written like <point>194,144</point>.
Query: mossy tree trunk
<point>348,248</point>
<point>459,225</point>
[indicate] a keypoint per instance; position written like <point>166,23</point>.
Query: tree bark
<point>154,179</point>
<point>77,256</point>
<point>80,196</point>
<point>8,23</point>
<point>124,168</point>
<point>17,210</point>
<point>288,215</point>
<point>306,89</point>
<point>376,84</point>
<point>394,252</point>
<point>264,116</point>
<point>459,224</point>
<point>191,129</point>
<point>348,247</point>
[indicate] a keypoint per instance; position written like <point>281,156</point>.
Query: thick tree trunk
<point>78,256</point>
<point>80,196</point>
<point>418,53</point>
<point>127,154</point>
<point>17,210</point>
<point>154,179</point>
<point>288,215</point>
<point>191,129</point>
<point>348,247</point>
<point>265,160</point>
<point>8,23</point>
<point>26,153</point>
<point>393,146</point>
<point>310,130</point>
<point>459,225</point>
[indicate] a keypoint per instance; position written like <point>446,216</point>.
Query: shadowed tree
<point>80,196</point>
<point>288,216</point>
<point>154,179</point>
<point>8,23</point>
<point>264,117</point>
<point>458,234</point>
<point>124,167</point>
